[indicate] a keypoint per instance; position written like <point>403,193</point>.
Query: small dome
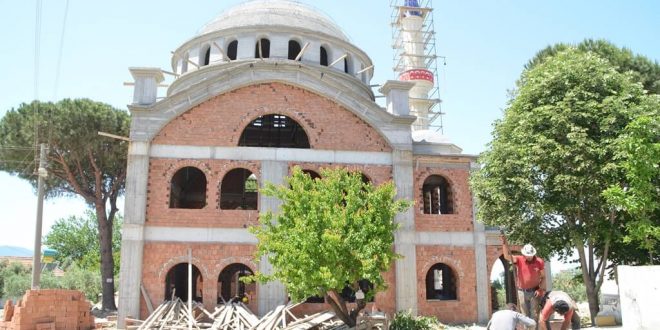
<point>275,13</point>
<point>429,136</point>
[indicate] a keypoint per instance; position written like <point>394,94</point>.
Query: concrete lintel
<point>199,235</point>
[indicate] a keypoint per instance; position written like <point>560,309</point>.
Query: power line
<point>59,56</point>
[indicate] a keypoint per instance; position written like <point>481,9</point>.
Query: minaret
<point>415,59</point>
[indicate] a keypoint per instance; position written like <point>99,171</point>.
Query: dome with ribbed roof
<point>260,13</point>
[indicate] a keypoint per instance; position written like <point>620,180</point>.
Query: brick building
<point>266,86</point>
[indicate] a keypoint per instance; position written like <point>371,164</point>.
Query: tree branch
<point>97,176</point>
<point>70,178</point>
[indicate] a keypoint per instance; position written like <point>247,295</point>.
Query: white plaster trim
<point>272,154</point>
<point>464,238</point>
<point>199,235</point>
<point>138,148</point>
<point>132,232</point>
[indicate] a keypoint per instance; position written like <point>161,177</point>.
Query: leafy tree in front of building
<point>570,281</point>
<point>554,154</point>
<point>329,234</point>
<point>76,241</point>
<point>80,162</point>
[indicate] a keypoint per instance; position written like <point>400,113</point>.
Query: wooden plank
<point>150,307</point>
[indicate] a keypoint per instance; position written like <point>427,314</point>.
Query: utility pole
<point>36,260</point>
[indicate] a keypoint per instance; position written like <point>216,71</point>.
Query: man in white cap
<point>531,278</point>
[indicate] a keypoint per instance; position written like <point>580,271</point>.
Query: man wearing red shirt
<point>530,279</point>
<point>560,302</point>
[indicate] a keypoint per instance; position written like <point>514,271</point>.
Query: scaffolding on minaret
<point>415,60</point>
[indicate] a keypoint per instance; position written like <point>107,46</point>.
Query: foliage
<point>76,240</point>
<point>552,156</point>
<point>640,67</point>
<point>404,320</point>
<point>329,233</point>
<point>80,162</point>
<point>639,149</point>
<point>500,291</point>
<point>85,280</point>
<point>16,279</point>
<point>570,281</point>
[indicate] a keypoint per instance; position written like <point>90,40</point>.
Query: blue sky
<point>486,44</point>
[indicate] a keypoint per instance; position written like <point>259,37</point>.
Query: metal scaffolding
<point>428,59</point>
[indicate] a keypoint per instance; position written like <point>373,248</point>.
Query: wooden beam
<point>302,51</point>
<point>114,136</point>
<point>224,56</point>
<point>337,60</point>
<point>365,69</point>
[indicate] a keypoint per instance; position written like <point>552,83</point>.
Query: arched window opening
<point>232,50</point>
<point>238,190</point>
<point>188,189</point>
<point>184,63</point>
<point>230,286</point>
<point>502,286</point>
<point>348,63</point>
<point>206,51</point>
<point>365,179</point>
<point>262,48</point>
<point>312,174</point>
<point>294,49</point>
<point>349,294</point>
<point>440,283</point>
<point>315,300</point>
<point>176,283</point>
<point>324,56</point>
<point>275,131</point>
<point>437,196</point>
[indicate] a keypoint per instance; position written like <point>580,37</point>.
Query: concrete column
<point>279,46</point>
<point>146,85</point>
<point>132,243</point>
<point>270,294</point>
<point>396,93</point>
<point>246,47</point>
<point>313,53</point>
<point>481,260</point>
<point>404,244</point>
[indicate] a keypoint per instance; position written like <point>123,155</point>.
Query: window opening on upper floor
<point>239,190</point>
<point>294,50</point>
<point>324,56</point>
<point>230,286</point>
<point>348,293</point>
<point>176,283</point>
<point>184,63</point>
<point>437,195</point>
<point>188,189</point>
<point>262,48</point>
<point>276,131</point>
<point>312,174</point>
<point>440,283</point>
<point>207,55</point>
<point>232,50</point>
<point>348,62</point>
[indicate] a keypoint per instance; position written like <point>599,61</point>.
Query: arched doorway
<point>502,284</point>
<point>231,288</point>
<point>176,283</point>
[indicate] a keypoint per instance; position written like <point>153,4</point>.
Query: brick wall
<point>461,261</point>
<point>50,309</point>
<point>159,212</point>
<point>210,259</point>
<point>220,120</point>
<point>461,198</point>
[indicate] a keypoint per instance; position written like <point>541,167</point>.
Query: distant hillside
<point>14,251</point>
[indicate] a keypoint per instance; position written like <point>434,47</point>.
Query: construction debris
<point>175,314</point>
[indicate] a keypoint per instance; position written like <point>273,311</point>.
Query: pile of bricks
<point>48,310</point>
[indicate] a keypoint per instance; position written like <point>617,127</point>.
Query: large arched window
<point>276,131</point>
<point>206,52</point>
<point>238,190</point>
<point>440,283</point>
<point>176,283</point>
<point>294,49</point>
<point>232,50</point>
<point>262,48</point>
<point>324,56</point>
<point>230,285</point>
<point>437,196</point>
<point>188,189</point>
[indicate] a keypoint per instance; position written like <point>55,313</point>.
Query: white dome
<point>429,136</point>
<point>275,13</point>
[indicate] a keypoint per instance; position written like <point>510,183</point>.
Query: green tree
<point>570,281</point>
<point>85,280</point>
<point>16,279</point>
<point>79,161</point>
<point>639,149</point>
<point>76,239</point>
<point>329,233</point>
<point>642,69</point>
<point>552,156</point>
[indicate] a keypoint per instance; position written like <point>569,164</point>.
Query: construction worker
<point>508,319</point>
<point>530,281</point>
<point>560,302</point>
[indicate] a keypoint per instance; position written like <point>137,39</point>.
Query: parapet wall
<point>48,310</point>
